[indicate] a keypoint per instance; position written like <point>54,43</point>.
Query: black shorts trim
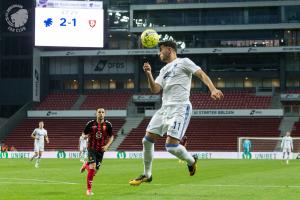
<point>95,157</point>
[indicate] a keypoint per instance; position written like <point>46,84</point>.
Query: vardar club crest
<point>92,23</point>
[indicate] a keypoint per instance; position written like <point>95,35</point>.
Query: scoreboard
<point>69,23</point>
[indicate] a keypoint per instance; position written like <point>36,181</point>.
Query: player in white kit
<point>174,115</point>
<point>82,147</point>
<point>287,146</point>
<point>39,135</point>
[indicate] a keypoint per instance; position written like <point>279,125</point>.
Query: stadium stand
<point>233,100</point>
<point>204,133</point>
<point>213,134</point>
<point>107,100</point>
<point>58,101</point>
<point>293,91</point>
<point>63,132</point>
<point>296,133</point>
<point>133,141</point>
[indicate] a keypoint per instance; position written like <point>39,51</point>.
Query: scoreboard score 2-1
<point>69,23</point>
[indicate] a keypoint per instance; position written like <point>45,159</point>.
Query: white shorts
<point>287,150</point>
<point>83,149</point>
<point>171,119</point>
<point>38,146</point>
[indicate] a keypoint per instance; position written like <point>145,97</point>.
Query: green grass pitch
<point>59,179</point>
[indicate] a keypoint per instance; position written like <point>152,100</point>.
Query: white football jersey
<point>40,135</point>
<point>82,142</point>
<point>175,79</point>
<point>287,142</point>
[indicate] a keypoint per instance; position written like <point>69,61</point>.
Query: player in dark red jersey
<point>100,137</point>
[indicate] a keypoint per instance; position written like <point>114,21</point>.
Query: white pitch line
<point>33,181</point>
<point>28,183</point>
<point>38,181</point>
<point>203,185</point>
<point>247,186</point>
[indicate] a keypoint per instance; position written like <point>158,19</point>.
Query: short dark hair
<point>168,43</point>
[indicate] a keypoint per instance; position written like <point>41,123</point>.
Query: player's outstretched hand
<point>217,94</point>
<point>104,148</point>
<point>147,67</point>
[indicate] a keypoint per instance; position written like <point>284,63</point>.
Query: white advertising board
<point>158,154</point>
<point>231,113</point>
<point>74,113</point>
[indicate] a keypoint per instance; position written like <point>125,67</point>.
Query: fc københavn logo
<point>16,17</point>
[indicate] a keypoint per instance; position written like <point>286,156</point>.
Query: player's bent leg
<point>192,168</point>
<point>180,152</point>
<point>173,147</point>
<point>34,155</point>
<point>84,167</point>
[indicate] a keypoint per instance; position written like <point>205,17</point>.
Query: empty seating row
<point>65,101</point>
<point>212,134</point>
<point>57,101</point>
<point>230,101</point>
<point>106,100</point>
<point>63,133</point>
<point>240,99</point>
<point>296,133</point>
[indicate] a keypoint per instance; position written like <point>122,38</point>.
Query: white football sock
<point>180,152</point>
<point>148,150</point>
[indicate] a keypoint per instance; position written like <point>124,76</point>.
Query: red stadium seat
<point>58,101</point>
<point>107,100</point>
<point>63,133</point>
<point>211,134</point>
<point>232,100</point>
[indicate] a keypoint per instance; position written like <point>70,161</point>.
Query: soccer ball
<point>149,38</point>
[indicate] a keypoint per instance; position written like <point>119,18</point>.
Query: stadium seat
<point>63,133</point>
<point>212,134</point>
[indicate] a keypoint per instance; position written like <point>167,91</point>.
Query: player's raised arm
<point>154,87</point>
<point>215,93</point>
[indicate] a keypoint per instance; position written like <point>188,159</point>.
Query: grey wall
<point>15,91</point>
